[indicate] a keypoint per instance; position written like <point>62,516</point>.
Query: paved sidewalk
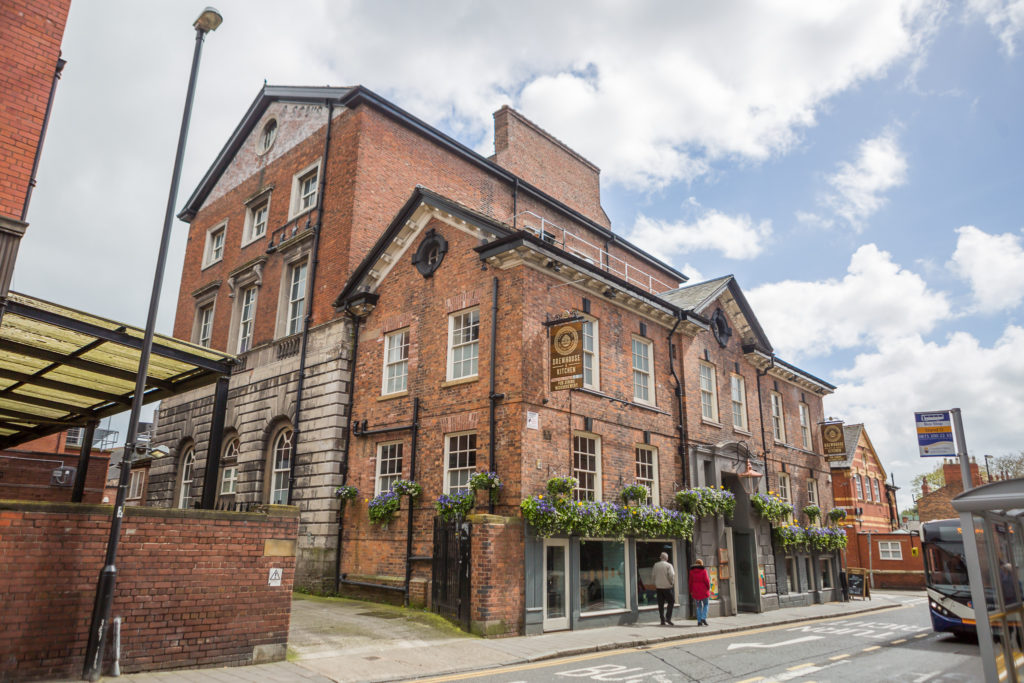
<point>346,640</point>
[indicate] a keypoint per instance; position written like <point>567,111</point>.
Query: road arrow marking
<point>737,646</point>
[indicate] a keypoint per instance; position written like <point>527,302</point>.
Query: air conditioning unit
<point>63,476</point>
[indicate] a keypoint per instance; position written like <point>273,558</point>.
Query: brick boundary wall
<point>905,573</point>
<point>192,586</point>
<point>497,575</point>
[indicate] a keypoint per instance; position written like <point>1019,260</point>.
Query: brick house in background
<point>859,487</point>
<point>387,289</point>
<point>44,468</point>
<point>935,504</point>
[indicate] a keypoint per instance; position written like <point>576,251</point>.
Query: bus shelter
<point>995,566</point>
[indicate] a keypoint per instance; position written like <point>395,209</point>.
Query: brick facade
<point>25,471</point>
<point>859,487</point>
<point>903,563</point>
<point>517,252</point>
<point>937,504</point>
<point>192,587</point>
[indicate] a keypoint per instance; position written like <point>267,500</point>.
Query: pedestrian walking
<point>664,584</point>
<point>700,590</point>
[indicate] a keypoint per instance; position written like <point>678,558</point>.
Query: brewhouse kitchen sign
<point>566,355</point>
<point>833,441</point>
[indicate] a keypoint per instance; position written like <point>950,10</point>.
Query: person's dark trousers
<point>665,597</point>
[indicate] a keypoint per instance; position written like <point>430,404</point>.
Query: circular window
<point>268,135</point>
<point>431,252</point>
<point>720,328</point>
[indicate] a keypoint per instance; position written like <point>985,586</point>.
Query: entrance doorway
<point>745,551</point>
<point>556,574</point>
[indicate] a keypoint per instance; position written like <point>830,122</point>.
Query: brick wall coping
<point>285,511</point>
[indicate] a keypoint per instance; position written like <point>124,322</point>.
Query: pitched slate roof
<point>851,434</point>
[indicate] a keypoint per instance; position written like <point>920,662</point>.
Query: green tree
<point>935,480</point>
<point>1010,465</point>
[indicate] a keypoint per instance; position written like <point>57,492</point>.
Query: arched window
<point>188,461</point>
<point>860,491</point>
<point>281,465</point>
<point>229,469</point>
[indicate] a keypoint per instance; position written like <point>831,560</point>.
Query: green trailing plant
<point>706,501</point>
<point>771,507</point>
<point>384,507</point>
<point>407,488</point>
<point>813,513</point>
<point>561,486</point>
<point>487,481</point>
<point>790,537</point>
<point>635,493</point>
<point>346,493</point>
<point>837,515</point>
<point>826,539</point>
<point>549,516</point>
<point>455,506</point>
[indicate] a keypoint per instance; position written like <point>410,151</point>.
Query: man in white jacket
<point>665,582</point>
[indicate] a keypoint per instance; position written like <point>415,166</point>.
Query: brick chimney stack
<point>951,472</point>
<point>925,489</point>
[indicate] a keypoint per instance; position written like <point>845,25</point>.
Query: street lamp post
<point>988,473</point>
<point>208,21</point>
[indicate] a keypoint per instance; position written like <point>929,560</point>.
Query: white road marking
<point>737,646</point>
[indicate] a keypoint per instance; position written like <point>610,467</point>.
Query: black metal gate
<point>449,593</point>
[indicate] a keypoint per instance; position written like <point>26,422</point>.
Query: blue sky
<point>857,165</point>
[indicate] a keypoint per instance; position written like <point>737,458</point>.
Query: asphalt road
<point>891,645</point>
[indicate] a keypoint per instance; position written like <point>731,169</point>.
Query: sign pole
<point>961,447</point>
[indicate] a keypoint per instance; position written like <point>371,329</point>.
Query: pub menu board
<point>856,580</point>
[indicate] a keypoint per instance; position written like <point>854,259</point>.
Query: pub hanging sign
<point>833,441</point>
<point>566,349</point>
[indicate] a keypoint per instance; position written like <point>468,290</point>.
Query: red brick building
<point>44,468</point>
<point>858,484</point>
<point>388,291</point>
<point>30,66</point>
<point>892,559</point>
<point>936,503</point>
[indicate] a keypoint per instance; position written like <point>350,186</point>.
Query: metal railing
<point>574,244</point>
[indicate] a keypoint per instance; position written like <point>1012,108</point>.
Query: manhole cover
<point>380,615</point>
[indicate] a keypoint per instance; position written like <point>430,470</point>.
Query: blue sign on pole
<point>935,434</point>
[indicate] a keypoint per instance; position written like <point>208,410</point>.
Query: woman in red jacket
<point>700,590</point>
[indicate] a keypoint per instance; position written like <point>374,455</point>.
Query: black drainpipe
<point>311,289</point>
<point>492,463</point>
<point>681,425</point>
<point>412,477</point>
<point>42,137</point>
<point>348,440</point>
<point>764,445</point>
<point>515,204</point>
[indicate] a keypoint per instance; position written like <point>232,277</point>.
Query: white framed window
<point>739,402</point>
<point>74,436</point>
<point>396,362</point>
<point>463,343</point>
<point>389,466</point>
<point>860,491</point>
<point>281,466</point>
<point>878,492</point>
<point>805,426</point>
<point>586,466</point>
<point>214,250</point>
<point>246,319</point>
<point>647,470</point>
<point>812,491</point>
<point>267,136</point>
<point>296,297</point>
<point>459,461</point>
<point>708,392</point>
<point>591,355</point>
<point>304,189</point>
<point>786,491</point>
<point>643,380</point>
<point>229,480</point>
<point>136,484</point>
<point>204,325</point>
<point>188,462</point>
<point>778,418</point>
<point>890,550</point>
<point>257,217</point>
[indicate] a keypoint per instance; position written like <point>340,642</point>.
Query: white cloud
<point>884,388</point>
<point>875,302</point>
<point>737,237</point>
<point>1005,18</point>
<point>860,186</point>
<point>993,265</point>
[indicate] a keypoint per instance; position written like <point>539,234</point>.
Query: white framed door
<point>556,577</point>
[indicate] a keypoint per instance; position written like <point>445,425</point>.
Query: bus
<point>945,578</point>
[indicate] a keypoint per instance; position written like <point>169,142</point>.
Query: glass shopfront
<point>602,576</point>
<point>647,553</point>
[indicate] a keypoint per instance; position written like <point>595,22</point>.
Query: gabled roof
<point>355,96</point>
<point>697,298</point>
<point>852,434</point>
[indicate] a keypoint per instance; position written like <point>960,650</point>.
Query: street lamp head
<point>209,20</point>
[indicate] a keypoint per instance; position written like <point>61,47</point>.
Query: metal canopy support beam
<point>83,462</point>
<point>62,386</point>
<point>212,471</point>
<point>115,336</point>
<point>80,363</point>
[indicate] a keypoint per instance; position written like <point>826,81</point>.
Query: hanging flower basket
<point>384,507</point>
<point>562,486</point>
<point>487,481</point>
<point>771,507</point>
<point>791,537</point>
<point>635,493</point>
<point>837,515</point>
<point>813,513</point>
<point>455,506</point>
<point>706,501</point>
<point>826,539</point>
<point>346,493</point>
<point>407,488</point>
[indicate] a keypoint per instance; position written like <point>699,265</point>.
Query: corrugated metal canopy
<point>62,368</point>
